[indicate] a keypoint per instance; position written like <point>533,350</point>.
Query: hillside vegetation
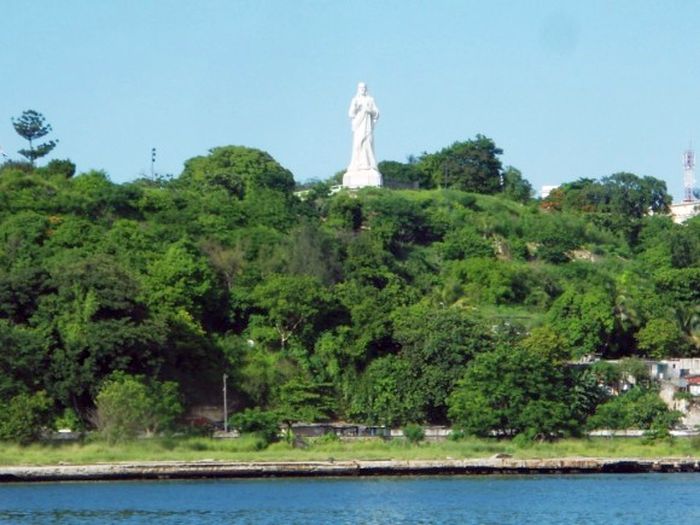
<point>460,302</point>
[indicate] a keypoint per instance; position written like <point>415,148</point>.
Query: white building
<point>682,211</point>
<point>546,190</point>
<point>669,369</point>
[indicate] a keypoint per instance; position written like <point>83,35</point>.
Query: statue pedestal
<point>362,178</point>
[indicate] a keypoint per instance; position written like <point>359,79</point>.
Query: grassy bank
<point>244,449</point>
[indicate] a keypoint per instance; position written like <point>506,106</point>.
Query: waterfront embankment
<point>227,469</point>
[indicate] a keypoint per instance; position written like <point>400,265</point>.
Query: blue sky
<point>568,89</point>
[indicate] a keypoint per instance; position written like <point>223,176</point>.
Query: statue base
<point>362,178</point>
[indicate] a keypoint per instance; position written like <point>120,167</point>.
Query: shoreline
<point>209,469</point>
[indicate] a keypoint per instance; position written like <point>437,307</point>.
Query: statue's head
<point>362,88</point>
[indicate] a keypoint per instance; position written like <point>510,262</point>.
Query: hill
<point>382,306</point>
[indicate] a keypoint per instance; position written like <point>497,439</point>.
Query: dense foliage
<point>460,302</point>
<point>129,405</point>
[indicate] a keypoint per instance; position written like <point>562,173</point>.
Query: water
<point>610,499</point>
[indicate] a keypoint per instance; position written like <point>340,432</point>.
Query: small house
<point>693,383</point>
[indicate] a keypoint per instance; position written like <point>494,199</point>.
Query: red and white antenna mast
<point>688,175</point>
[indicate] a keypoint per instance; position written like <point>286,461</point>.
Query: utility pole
<point>153,163</point>
<point>225,406</point>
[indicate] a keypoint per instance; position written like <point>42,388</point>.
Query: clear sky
<point>567,89</point>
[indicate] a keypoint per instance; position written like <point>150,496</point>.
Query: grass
<point>246,449</point>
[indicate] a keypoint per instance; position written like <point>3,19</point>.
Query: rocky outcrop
<point>227,469</point>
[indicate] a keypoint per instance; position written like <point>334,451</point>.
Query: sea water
<point>610,499</point>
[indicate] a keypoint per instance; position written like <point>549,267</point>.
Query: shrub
<point>263,423</point>
<point>508,391</point>
<point>328,437</point>
<point>127,405</point>
<point>68,419</point>
<point>640,408</point>
<point>414,433</point>
<point>24,417</point>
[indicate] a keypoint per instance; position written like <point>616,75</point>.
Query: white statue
<point>363,113</point>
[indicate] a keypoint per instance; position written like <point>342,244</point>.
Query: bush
<point>511,390</point>
<point>328,437</point>
<point>68,419</point>
<point>640,408</point>
<point>457,435</point>
<point>525,439</point>
<point>414,433</point>
<point>263,423</point>
<point>127,405</point>
<point>58,167</point>
<point>24,417</point>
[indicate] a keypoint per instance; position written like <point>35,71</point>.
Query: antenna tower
<point>688,175</point>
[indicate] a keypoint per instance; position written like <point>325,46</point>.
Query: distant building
<point>670,369</point>
<point>682,211</point>
<point>693,385</point>
<point>546,190</point>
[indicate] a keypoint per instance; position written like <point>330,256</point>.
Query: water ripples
<point>649,498</point>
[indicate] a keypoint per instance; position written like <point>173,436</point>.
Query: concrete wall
<point>683,211</point>
<point>674,368</point>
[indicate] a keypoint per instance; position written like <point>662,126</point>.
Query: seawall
<point>227,469</point>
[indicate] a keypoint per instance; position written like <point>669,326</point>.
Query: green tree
<point>684,244</point>
<point>636,370</point>
<point>25,416</point>
<point>32,126</point>
<point>511,391</point>
<point>63,168</point>
<point>293,305</point>
<point>370,305</point>
<point>263,423</point>
<point>311,252</point>
<point>345,212</point>
<point>94,195</point>
<point>414,433</point>
<point>556,236</point>
<point>270,207</point>
<point>403,175</point>
<point>680,289</point>
<point>481,281</point>
<point>181,279</point>
<point>662,338</point>
<point>21,236</point>
<point>97,325</point>
<point>585,395</point>
<point>239,170</point>
<point>397,220</point>
<point>544,341</point>
<point>437,344</point>
<point>638,408</point>
<point>383,396</point>
<point>29,190</point>
<point>618,202</point>
<point>630,195</point>
<point>472,165</point>
<point>228,262</point>
<point>307,400</point>
<point>21,287</point>
<point>261,371</point>
<point>584,320</point>
<point>466,243</point>
<point>23,359</point>
<point>126,405</point>
<point>622,195</point>
<point>608,374</point>
<point>515,186</point>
